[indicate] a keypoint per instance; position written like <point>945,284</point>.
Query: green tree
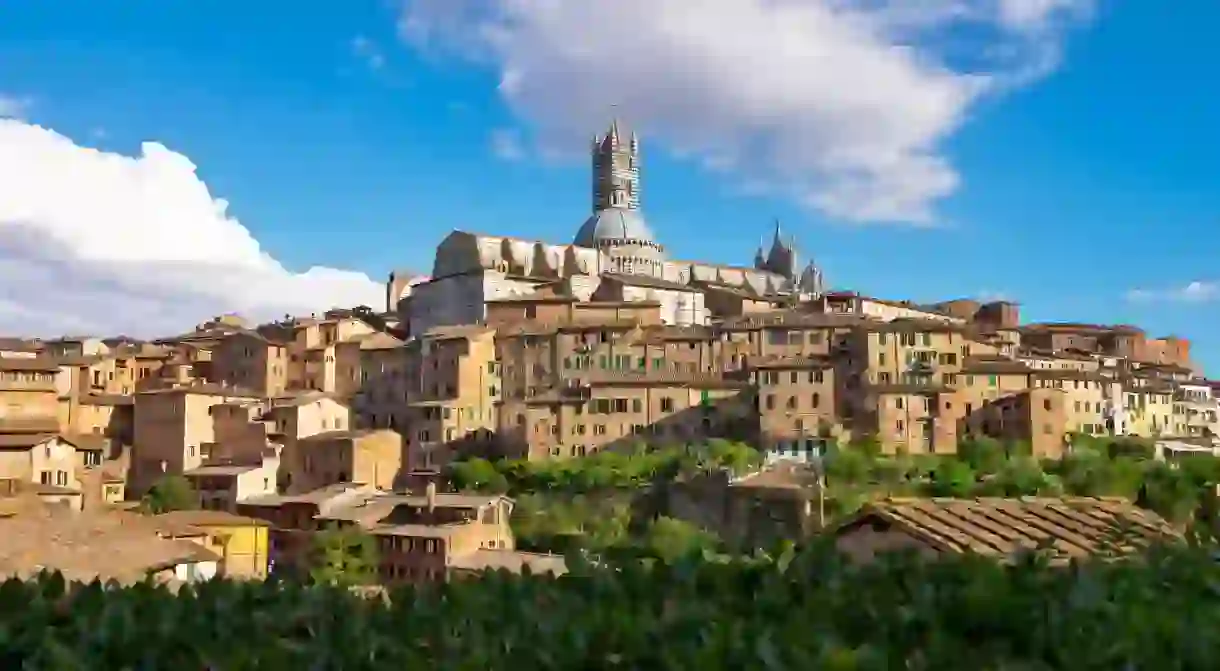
<point>344,556</point>
<point>478,474</point>
<point>671,539</point>
<point>170,493</point>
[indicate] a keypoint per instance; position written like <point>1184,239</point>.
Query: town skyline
<point>384,146</point>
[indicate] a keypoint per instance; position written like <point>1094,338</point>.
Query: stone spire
<point>615,161</point>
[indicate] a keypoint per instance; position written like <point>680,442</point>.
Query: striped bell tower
<point>616,165</point>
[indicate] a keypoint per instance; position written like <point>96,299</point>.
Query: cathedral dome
<point>613,225</point>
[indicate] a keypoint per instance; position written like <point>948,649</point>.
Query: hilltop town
<point>539,353</point>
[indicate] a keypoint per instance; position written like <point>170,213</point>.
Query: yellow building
<point>242,542</point>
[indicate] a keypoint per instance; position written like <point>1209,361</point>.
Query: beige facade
<point>171,429</point>
<point>249,360</point>
<point>623,409</point>
<point>44,459</point>
<point>371,456</point>
<point>796,403</point>
<point>381,402</point>
<point>29,400</point>
<point>222,485</point>
<point>459,382</point>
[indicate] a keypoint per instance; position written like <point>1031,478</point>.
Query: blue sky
<point>341,139</point>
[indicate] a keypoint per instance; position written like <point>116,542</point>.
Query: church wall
<point>461,299</point>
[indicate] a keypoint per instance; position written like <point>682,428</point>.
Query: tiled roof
<point>105,545</point>
<point>1068,527</point>
<point>208,518</point>
<point>43,364</point>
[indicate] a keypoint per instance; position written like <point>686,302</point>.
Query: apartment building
<point>29,400</point>
<point>913,418</point>
<point>796,403</point>
<point>250,360</point>
<point>1196,410</point>
<point>371,456</point>
<point>1036,417</point>
<point>420,538</point>
<point>1087,399</point>
<point>222,484</point>
<point>381,401</point>
<point>620,409</point>
<point>19,348</point>
<point>171,429</point>
<point>455,382</point>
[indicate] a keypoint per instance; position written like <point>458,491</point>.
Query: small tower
<point>615,162</point>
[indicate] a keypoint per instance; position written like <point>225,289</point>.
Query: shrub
<point>804,611</point>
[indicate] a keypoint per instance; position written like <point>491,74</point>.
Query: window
<point>636,405</point>
<point>817,399</point>
<point>770,401</point>
<point>667,405</point>
<point>791,403</point>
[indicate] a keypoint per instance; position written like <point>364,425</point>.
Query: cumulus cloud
<point>1194,292</point>
<point>842,104</point>
<point>102,243</point>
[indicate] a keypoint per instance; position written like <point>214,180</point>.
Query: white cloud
<point>843,104</point>
<point>97,242</point>
<point>1194,292</point>
<point>14,107</point>
<point>506,145</point>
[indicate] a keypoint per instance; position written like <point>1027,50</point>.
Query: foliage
<point>607,470</point>
<point>170,493</point>
<point>343,555</point>
<point>794,610</point>
<point>672,539</point>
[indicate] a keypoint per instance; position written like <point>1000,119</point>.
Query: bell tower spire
<point>616,165</point>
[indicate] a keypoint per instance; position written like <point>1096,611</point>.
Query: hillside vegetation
<point>799,610</point>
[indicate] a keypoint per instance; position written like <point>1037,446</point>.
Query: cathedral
<point>613,256</point>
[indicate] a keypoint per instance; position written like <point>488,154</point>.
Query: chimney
<point>430,495</point>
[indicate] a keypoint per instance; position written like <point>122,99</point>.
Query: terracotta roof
<point>42,364</point>
<point>790,318</point>
<point>88,545</point>
<point>985,365</point>
<point>790,362</point>
<point>917,326</point>
<point>344,434</point>
<point>107,399</point>
<point>23,441</point>
<point>1068,374</point>
<point>910,389</point>
<point>86,441</point>
<point>1069,527</point>
<point>19,345</point>
<point>206,389</point>
<point>458,331</point>
<point>380,341</point>
<point>209,518</point>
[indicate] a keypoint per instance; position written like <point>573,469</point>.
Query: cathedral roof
<point>613,223</point>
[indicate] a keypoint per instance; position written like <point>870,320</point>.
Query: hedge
<point>807,610</point>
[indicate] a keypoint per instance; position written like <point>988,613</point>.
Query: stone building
<point>614,242</point>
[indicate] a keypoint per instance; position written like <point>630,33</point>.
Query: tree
<point>478,474</point>
<point>670,539</point>
<point>344,556</point>
<point>170,493</point>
